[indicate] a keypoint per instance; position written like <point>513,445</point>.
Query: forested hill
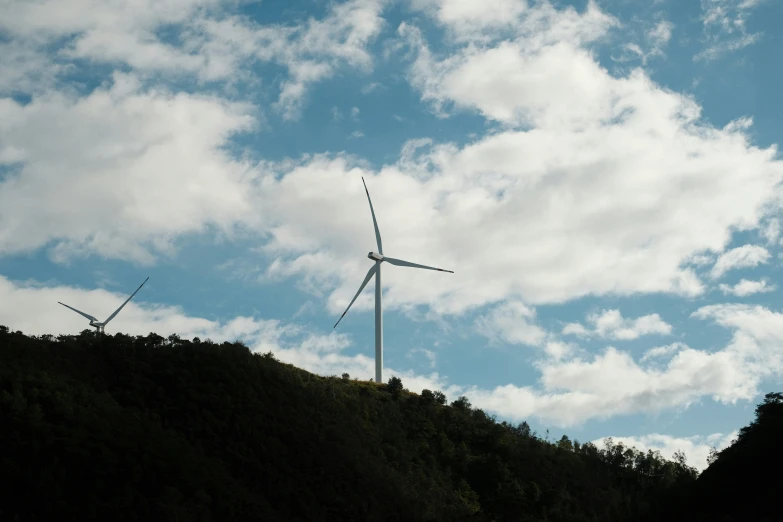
<point>147,428</point>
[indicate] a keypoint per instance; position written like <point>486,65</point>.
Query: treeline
<point>152,428</point>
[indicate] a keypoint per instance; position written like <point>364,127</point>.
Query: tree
<point>680,458</point>
<point>346,376</point>
<point>440,397</point>
<point>565,443</point>
<point>713,456</point>
<point>394,385</point>
<point>155,339</point>
<point>461,403</point>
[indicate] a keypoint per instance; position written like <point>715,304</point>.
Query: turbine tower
<point>100,325</point>
<point>376,271</point>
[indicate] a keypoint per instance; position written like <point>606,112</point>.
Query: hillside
<point>744,482</point>
<point>147,428</point>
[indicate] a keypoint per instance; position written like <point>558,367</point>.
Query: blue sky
<point>602,177</point>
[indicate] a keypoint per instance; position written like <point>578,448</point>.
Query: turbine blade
<point>369,275</point>
<point>123,304</point>
<point>400,262</point>
<point>88,316</point>
<point>374,222</point>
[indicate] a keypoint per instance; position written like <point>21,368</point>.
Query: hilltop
<point>152,428</point>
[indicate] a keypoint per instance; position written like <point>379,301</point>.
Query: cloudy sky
<point>602,176</point>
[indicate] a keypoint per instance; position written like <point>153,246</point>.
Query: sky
<point>602,177</point>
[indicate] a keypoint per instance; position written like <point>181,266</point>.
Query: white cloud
<point>661,351</point>
<point>576,390</point>
<point>725,27</point>
<point>588,246</point>
<point>112,30</point>
<point>745,256</point>
<point>23,69</point>
<point>610,324</point>
<point>429,355</point>
<point>612,177</point>
<point>512,322</point>
<point>33,308</point>
<point>771,231</point>
<point>472,18</point>
<point>311,52</point>
<point>575,329</point>
<point>558,350</point>
<point>688,375</point>
<point>655,40</point>
<point>746,288</point>
<point>206,43</point>
<point>371,87</point>
<point>696,448</point>
<point>660,35</point>
<point>120,172</point>
<point>622,186</point>
<point>699,260</point>
<point>724,47</point>
<point>546,43</point>
<point>337,114</point>
<point>757,339</point>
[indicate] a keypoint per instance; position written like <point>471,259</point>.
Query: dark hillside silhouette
<point>152,428</point>
<point>744,481</point>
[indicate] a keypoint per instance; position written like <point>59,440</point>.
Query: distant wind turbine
<point>97,324</point>
<point>376,271</point>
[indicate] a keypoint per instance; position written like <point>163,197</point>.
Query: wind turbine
<point>100,325</point>
<point>376,271</point>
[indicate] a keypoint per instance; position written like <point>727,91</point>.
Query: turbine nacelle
<point>375,257</point>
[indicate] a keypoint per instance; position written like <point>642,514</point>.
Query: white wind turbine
<point>376,271</point>
<point>97,324</point>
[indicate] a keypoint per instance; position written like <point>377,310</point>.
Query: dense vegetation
<point>147,428</point>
